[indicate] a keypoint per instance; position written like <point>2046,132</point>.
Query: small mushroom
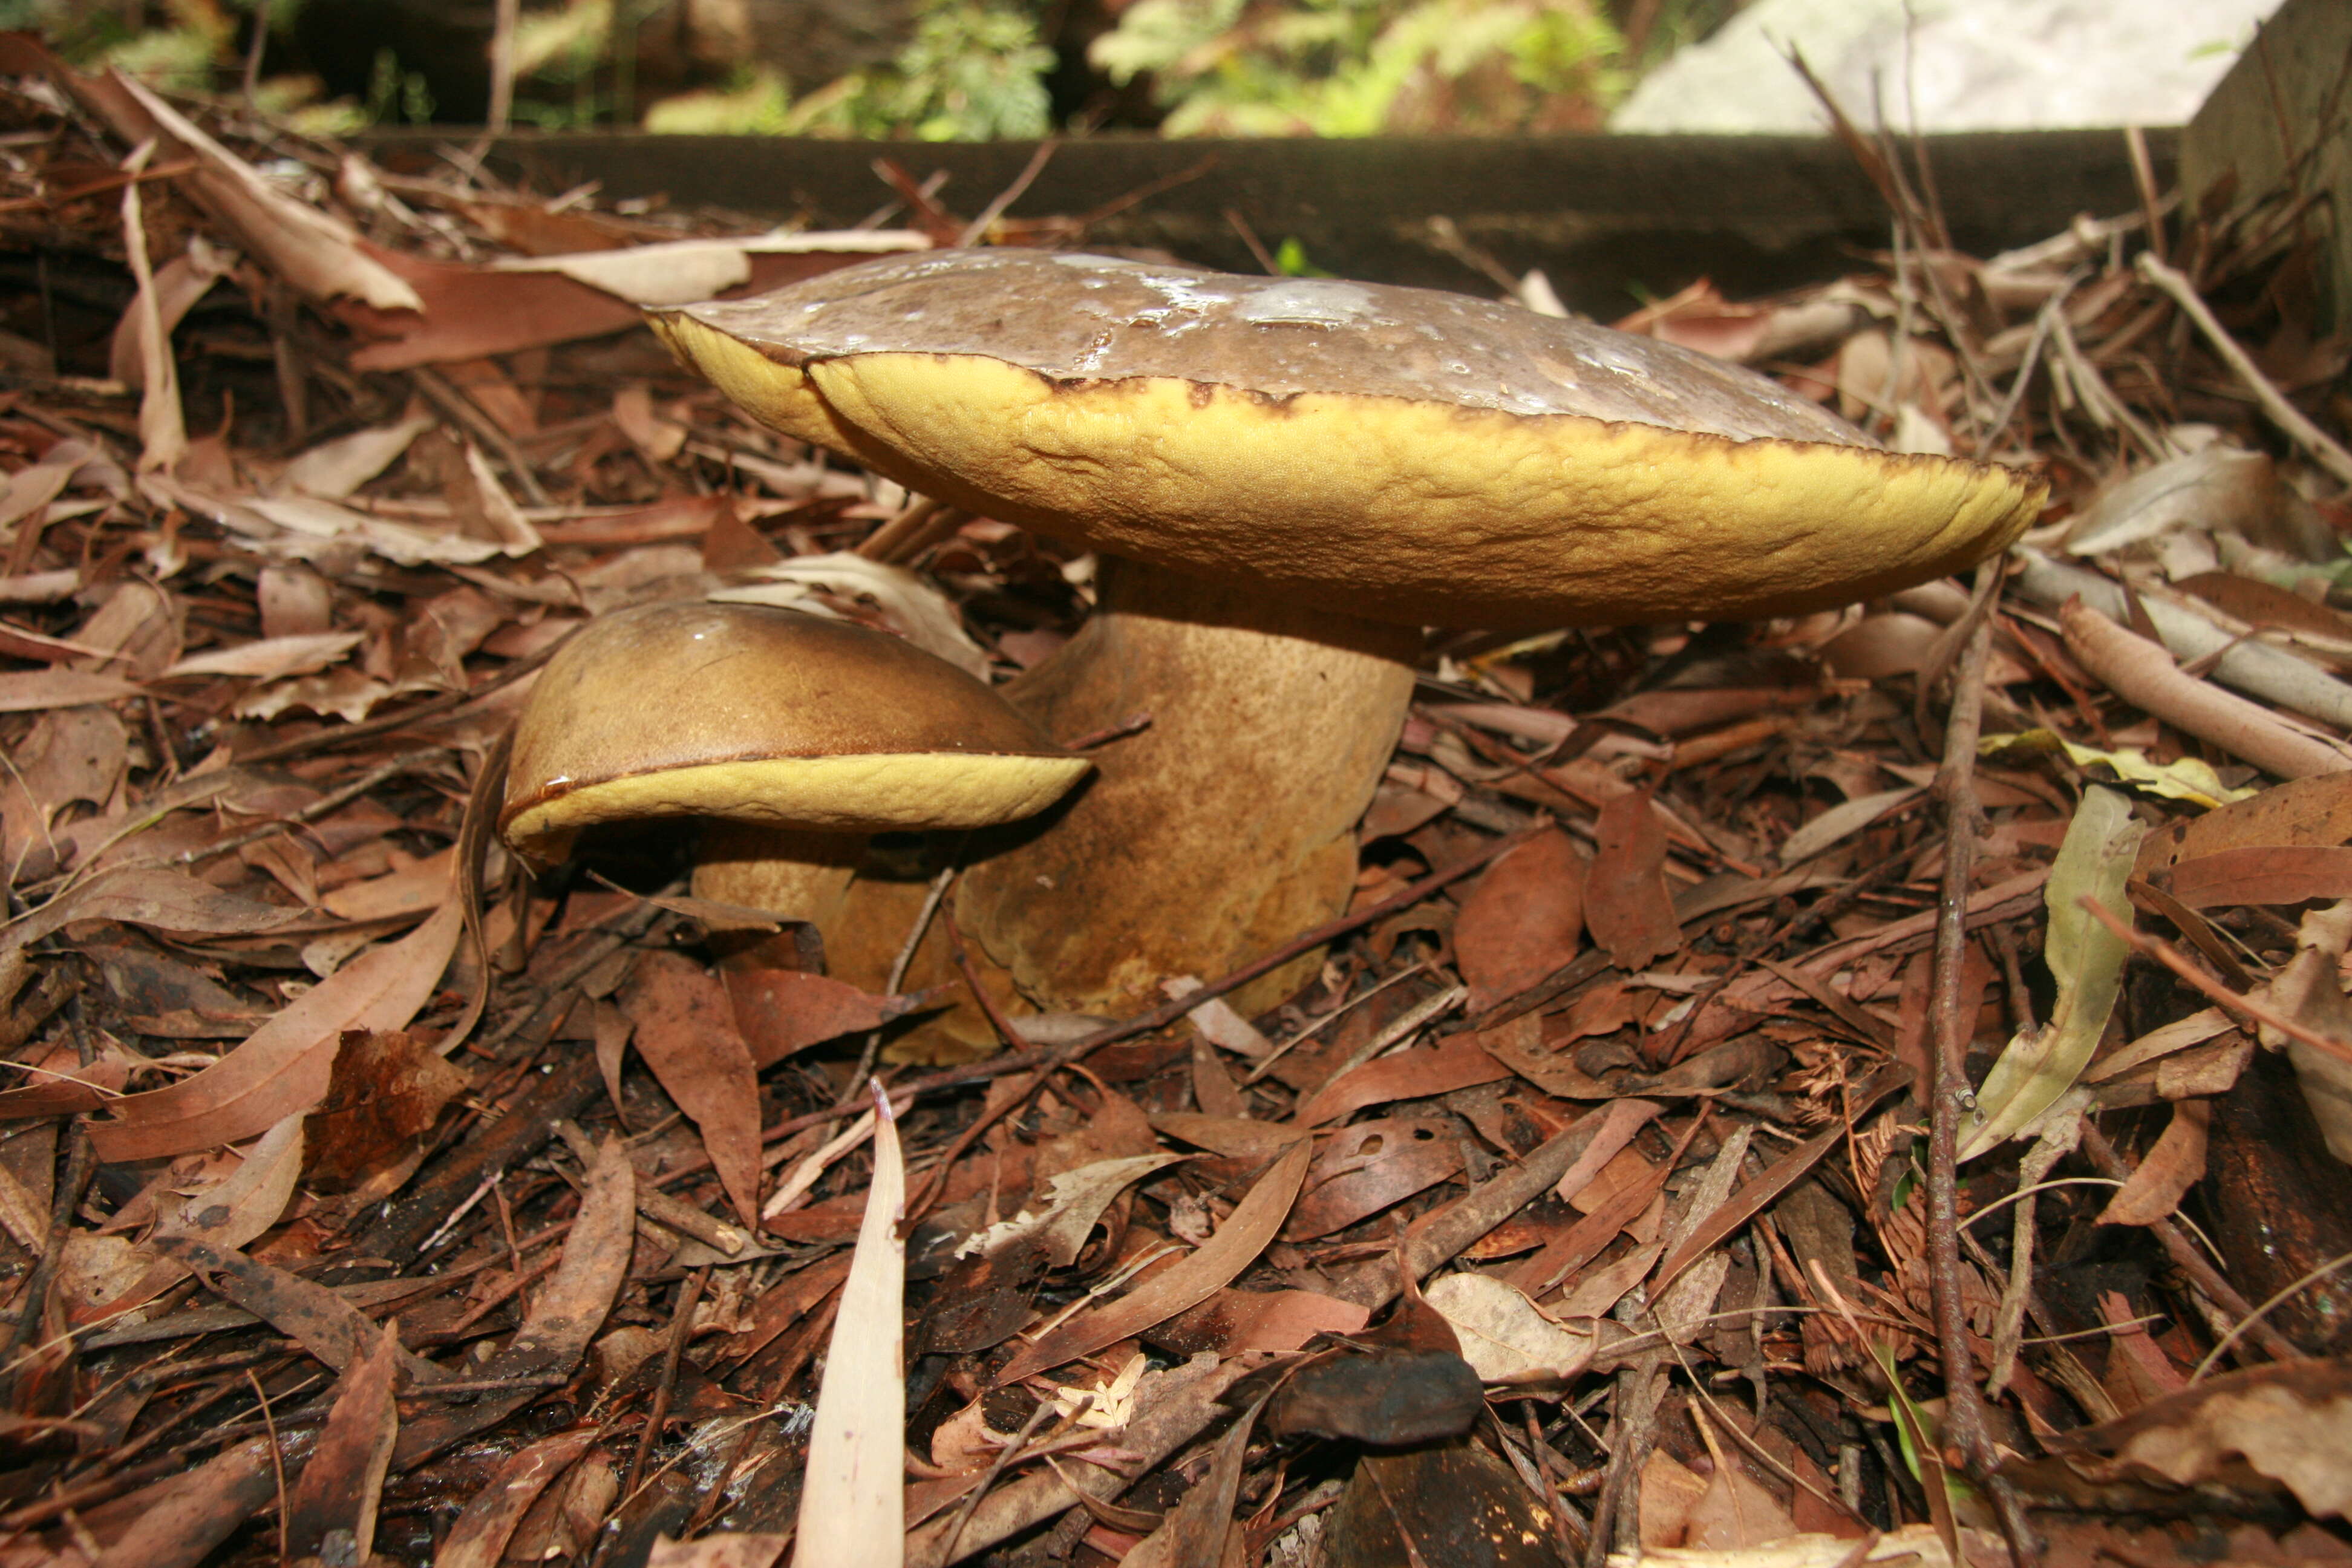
<point>1296,475</point>
<point>799,736</point>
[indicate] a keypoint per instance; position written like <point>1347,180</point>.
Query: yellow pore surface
<point>1425,512</point>
<point>869,794</point>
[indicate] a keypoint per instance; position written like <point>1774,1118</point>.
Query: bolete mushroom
<point>800,736</point>
<point>1296,475</point>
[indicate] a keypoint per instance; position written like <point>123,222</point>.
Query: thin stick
<point>2324,447</point>
<point>681,1329</point>
<point>1950,1024</point>
<point>2229,1001</point>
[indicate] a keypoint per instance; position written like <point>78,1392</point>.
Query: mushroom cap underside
<point>761,715</point>
<point>1399,508</point>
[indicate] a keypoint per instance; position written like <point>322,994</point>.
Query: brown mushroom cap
<point>1415,455</point>
<point>765,715</point>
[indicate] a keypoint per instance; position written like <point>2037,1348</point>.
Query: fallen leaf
<point>1844,820</point>
<point>1503,1335</point>
<point>300,243</point>
<point>1423,1072</point>
<point>780,1011</point>
<point>2315,811</point>
<point>1443,1505</point>
<point>1627,904</point>
<point>686,1032</point>
<point>2258,874</point>
<point>31,690</point>
<point>270,658</point>
<point>478,1538</point>
<point>1075,1199</point>
<point>2289,1422</point>
<point>283,1069</point>
<point>1186,1283</point>
<point>385,1091</point>
<point>334,1500</point>
<point>227,1214</point>
<point>852,1509</point>
<point>1370,1166</point>
<point>1523,919</point>
<point>2088,961</point>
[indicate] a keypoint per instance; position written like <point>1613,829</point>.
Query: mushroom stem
<point>801,874</point>
<point>1221,830</point>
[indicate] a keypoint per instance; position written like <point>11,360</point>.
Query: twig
<point>2254,1322</point>
<point>2142,673</point>
<point>1951,1027</point>
<point>681,1328</point>
<point>2188,1259</point>
<point>2325,449</point>
<point>2229,1001</point>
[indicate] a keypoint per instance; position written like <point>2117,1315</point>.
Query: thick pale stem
<point>792,872</point>
<point>1219,832</point>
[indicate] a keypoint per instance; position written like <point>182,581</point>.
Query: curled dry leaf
<point>2175,1164</point>
<point>227,1214</point>
<point>852,1512</point>
<point>2292,1424</point>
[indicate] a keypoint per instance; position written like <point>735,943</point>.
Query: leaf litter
<point>1580,1205</point>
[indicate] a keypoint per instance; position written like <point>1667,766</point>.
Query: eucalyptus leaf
<point>2085,958</point>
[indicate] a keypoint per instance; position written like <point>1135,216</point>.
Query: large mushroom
<point>796,736</point>
<point>1288,477</point>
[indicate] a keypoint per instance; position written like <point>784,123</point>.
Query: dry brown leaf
<point>1503,1335</point>
<point>283,1069</point>
<point>686,1032</point>
<point>780,1011</point>
<point>1420,1073</point>
<point>853,1511</point>
<point>2291,1422</point>
<point>1197,1531</point>
<point>1627,904</point>
<point>2174,1165</point>
<point>1191,1280</point>
<point>1524,920</point>
<point>32,690</point>
<point>2258,874</point>
<point>1370,1166</point>
<point>478,1539</point>
<point>334,1505</point>
<point>383,1094</point>
<point>177,1521</point>
<point>158,897</point>
<point>270,658</point>
<point>226,1215</point>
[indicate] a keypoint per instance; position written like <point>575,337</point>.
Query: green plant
<point>1359,68</point>
<point>973,71</point>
